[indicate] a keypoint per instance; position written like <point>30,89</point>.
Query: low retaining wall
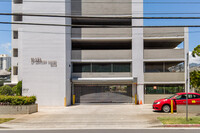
<point>150,98</point>
<point>191,108</point>
<point>18,109</point>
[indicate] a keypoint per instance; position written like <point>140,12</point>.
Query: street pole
<point>187,85</point>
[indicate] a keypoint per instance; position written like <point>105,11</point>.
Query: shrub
<point>17,100</point>
<point>14,90</point>
<point>6,90</point>
<point>19,88</point>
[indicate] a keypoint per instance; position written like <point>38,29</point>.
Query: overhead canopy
<point>4,73</point>
<point>103,80</point>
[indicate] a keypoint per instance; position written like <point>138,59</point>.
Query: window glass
<point>121,67</point>
<point>163,89</point>
<point>15,52</point>
<point>18,17</point>
<point>180,97</point>
<point>172,89</point>
<point>196,96</point>
<point>15,70</point>
<point>164,67</point>
<point>171,96</point>
<point>103,67</point>
<point>190,96</point>
<point>85,67</point>
<point>151,90</point>
<point>15,34</point>
<point>18,1</point>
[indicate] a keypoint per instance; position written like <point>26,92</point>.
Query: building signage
<point>39,61</point>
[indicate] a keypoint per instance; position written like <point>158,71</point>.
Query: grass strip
<point>179,120</point>
<point>2,120</point>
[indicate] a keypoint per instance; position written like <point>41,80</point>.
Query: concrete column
<point>68,56</point>
<point>186,48</point>
<point>137,48</point>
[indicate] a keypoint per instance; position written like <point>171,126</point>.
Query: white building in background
<point>96,65</point>
<point>5,62</point>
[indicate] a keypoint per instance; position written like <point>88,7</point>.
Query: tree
<point>9,69</point>
<point>195,75</point>
<point>19,88</point>
<point>196,51</point>
<point>195,80</point>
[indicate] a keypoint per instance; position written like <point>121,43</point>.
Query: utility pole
<point>187,85</point>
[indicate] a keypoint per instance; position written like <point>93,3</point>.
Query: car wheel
<point>166,108</point>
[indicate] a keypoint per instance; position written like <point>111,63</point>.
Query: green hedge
<point>6,90</point>
<point>17,100</point>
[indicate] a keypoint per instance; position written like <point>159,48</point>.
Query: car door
<point>190,99</point>
<point>181,99</point>
<point>196,99</point>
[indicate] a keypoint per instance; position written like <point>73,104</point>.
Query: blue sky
<point>194,33</point>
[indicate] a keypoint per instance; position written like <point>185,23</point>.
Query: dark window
<point>85,67</point>
<point>15,70</point>
<point>196,96</point>
<point>101,45</point>
<point>163,89</point>
<point>15,34</point>
<point>190,96</point>
<point>164,67</point>
<point>180,97</point>
<point>103,67</point>
<point>154,67</point>
<point>18,17</point>
<point>18,1</point>
<point>15,52</point>
<point>121,67</point>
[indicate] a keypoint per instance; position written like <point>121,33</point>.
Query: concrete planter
<point>191,108</point>
<point>18,109</point>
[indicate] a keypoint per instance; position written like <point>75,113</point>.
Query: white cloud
<point>6,48</point>
<point>193,59</point>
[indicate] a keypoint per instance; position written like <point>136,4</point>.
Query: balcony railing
<point>164,77</point>
<point>101,54</point>
<point>164,54</point>
<point>101,75</point>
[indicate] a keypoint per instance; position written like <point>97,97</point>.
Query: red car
<point>179,98</point>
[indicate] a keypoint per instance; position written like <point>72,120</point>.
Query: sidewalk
<point>101,116</point>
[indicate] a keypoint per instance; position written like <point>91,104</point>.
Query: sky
<point>182,7</point>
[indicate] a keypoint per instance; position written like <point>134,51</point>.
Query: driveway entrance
<point>103,93</point>
<point>96,116</point>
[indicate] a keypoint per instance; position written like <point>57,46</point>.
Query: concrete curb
<point>182,125</point>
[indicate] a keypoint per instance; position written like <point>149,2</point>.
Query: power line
<point>97,33</point>
<point>99,26</point>
<point>148,13</point>
<point>103,17</point>
<point>121,2</point>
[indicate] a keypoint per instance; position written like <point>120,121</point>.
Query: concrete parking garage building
<point>108,61</point>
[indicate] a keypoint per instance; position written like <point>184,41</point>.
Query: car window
<point>196,96</point>
<point>181,97</point>
<point>190,96</point>
<point>171,96</point>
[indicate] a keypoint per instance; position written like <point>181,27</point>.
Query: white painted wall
<point>137,48</point>
<point>50,43</point>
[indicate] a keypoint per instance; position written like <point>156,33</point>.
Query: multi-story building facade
<point>97,56</point>
<point>5,62</point>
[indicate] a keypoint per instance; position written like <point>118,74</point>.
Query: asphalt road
<point>106,131</point>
